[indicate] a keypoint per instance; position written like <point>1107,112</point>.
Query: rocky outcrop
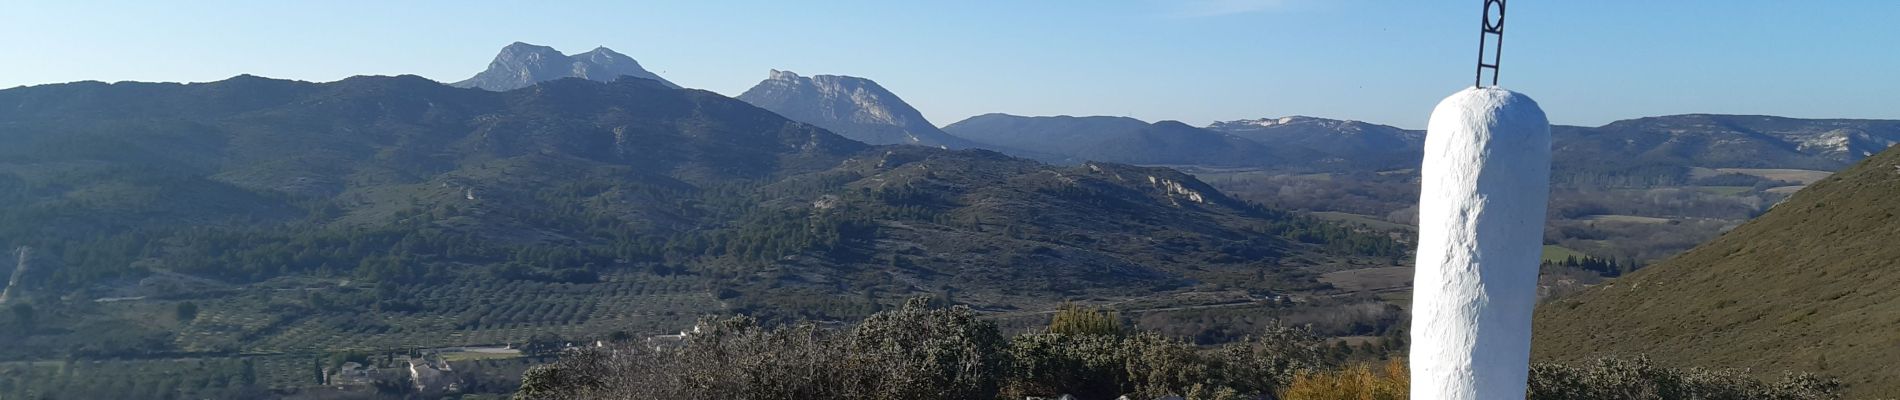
<point>521,65</point>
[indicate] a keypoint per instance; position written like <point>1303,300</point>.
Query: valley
<point>576,211</point>
<point>398,237</point>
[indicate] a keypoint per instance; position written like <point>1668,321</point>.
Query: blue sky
<point>1197,61</point>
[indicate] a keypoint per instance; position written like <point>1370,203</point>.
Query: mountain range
<point>1366,145</point>
<point>1664,149</point>
<point>1652,151</point>
<point>214,190</point>
<point>1712,171</point>
<point>1120,139</point>
<point>1670,147</point>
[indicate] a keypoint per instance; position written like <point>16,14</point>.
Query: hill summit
<point>1334,138</point>
<point>854,107</point>
<point>1807,286</point>
<point>522,65</point>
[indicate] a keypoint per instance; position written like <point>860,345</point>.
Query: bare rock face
<point>521,65</point>
<point>853,107</point>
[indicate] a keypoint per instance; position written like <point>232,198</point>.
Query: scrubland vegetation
<point>925,351</point>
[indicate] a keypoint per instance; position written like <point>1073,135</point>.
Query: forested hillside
<point>299,219</point>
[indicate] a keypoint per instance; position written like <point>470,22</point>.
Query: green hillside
<point>1807,286</point>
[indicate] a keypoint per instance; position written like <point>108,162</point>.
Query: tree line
<point>924,350</point>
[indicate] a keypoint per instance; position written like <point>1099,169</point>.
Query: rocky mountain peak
<point>522,57</point>
<point>854,107</point>
<point>525,46</point>
<point>778,75</point>
<point>605,56</point>
<point>521,65</point>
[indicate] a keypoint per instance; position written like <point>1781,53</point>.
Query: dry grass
<point>1389,381</point>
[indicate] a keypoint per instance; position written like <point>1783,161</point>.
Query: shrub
<point>1050,364</point>
<point>1608,378</point>
<point>186,311</point>
<point>1145,365</point>
<point>1267,362</point>
<point>1638,379</point>
<point>727,359</point>
<point>1078,320</point>
<point>919,351</point>
<point>1390,381</point>
<point>916,351</point>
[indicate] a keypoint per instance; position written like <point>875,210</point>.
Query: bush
<point>920,351</point>
<point>1079,320</point>
<point>1638,379</point>
<point>916,351</point>
<point>186,311</point>
<point>1145,365</point>
<point>924,352</point>
<point>1390,381</point>
<point>725,359</point>
<point>1268,362</point>
<point>1049,364</point>
<point>1609,378</point>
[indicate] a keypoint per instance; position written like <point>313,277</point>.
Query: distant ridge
<point>1332,136</point>
<point>521,65</point>
<point>1119,139</point>
<point>1366,144</point>
<point>1667,149</point>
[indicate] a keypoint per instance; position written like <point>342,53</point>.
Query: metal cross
<point>1493,24</point>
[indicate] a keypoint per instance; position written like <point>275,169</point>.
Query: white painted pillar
<point>1485,185</point>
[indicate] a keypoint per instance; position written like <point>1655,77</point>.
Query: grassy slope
<point>1807,286</point>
